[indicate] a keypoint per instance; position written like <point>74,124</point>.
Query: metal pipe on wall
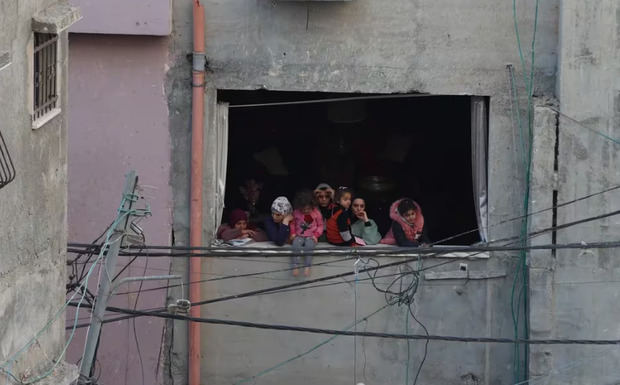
<point>195,226</point>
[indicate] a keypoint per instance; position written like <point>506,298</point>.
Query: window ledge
<point>460,274</point>
<point>46,118</point>
<point>270,249</point>
<point>55,19</point>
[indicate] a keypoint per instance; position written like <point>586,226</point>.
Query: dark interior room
<point>384,147</point>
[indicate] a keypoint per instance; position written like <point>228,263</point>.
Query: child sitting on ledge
<point>307,228</point>
<point>407,228</point>
<point>339,225</point>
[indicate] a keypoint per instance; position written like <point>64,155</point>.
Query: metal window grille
<point>45,52</point>
<point>7,169</point>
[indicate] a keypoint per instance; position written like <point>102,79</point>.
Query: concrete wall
<point>437,47</point>
<point>144,17</point>
<point>33,219</point>
<point>119,121</point>
<point>580,286</point>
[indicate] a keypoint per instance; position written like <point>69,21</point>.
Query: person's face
<point>277,217</point>
<point>251,191</point>
<point>306,210</point>
<point>241,225</point>
<point>345,200</point>
<point>410,216</point>
<point>358,206</point>
<point>323,197</point>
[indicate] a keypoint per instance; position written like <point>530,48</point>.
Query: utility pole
<point>106,273</point>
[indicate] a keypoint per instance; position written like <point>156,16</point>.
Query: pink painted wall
<point>142,17</point>
<point>118,120</point>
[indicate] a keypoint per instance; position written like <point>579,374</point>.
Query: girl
<point>407,224</point>
<point>306,230</point>
<point>278,224</point>
<point>339,225</point>
<point>238,228</point>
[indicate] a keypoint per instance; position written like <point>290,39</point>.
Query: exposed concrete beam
<point>55,19</point>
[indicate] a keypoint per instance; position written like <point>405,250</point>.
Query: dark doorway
<point>383,146</point>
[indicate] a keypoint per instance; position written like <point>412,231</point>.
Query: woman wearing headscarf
<point>277,225</point>
<point>324,196</point>
<point>239,228</point>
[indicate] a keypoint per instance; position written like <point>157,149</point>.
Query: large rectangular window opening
<point>429,148</point>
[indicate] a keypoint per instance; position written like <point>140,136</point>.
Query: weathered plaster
<point>118,17</point>
<point>584,282</point>
<point>119,121</point>
<point>33,220</point>
<point>436,47</point>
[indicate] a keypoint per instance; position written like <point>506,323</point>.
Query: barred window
<point>45,87</point>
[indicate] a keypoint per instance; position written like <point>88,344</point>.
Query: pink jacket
<point>303,229</point>
<point>409,230</point>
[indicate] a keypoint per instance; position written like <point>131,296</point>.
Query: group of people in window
<point>324,215</point>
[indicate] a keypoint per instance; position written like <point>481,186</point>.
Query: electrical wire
<point>156,314</point>
<point>439,251</point>
<point>573,120</point>
<point>255,325</point>
<point>295,286</point>
<point>408,282</point>
<point>57,315</point>
<point>275,290</point>
<point>121,214</point>
<point>538,247</point>
<point>135,333</point>
<point>162,315</point>
<point>155,310</point>
<point>332,100</point>
<point>74,247</point>
<point>527,149</point>
<point>406,260</point>
<point>415,380</point>
<point>310,350</point>
<point>226,277</point>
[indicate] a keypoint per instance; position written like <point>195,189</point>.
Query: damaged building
<point>501,119</point>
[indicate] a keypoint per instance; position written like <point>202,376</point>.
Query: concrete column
<point>541,262</point>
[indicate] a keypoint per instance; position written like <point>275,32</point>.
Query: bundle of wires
<point>401,291</point>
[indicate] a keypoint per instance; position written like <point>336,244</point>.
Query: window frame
<point>44,81</point>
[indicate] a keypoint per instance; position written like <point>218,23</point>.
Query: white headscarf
<point>281,205</point>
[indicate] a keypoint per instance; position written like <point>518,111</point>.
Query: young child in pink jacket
<point>306,229</point>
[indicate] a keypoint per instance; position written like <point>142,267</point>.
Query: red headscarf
<point>410,229</point>
<point>235,216</point>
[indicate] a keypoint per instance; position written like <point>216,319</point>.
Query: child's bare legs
<point>297,245</point>
<point>295,264</point>
<point>308,262</point>
<point>305,246</point>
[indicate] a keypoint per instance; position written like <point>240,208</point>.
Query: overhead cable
<point>255,325</point>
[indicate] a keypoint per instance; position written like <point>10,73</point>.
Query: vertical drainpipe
<point>195,226</point>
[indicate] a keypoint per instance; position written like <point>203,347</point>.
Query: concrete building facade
<point>33,219</point>
<point>434,48</point>
<point>119,122</point>
<point>135,103</point>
